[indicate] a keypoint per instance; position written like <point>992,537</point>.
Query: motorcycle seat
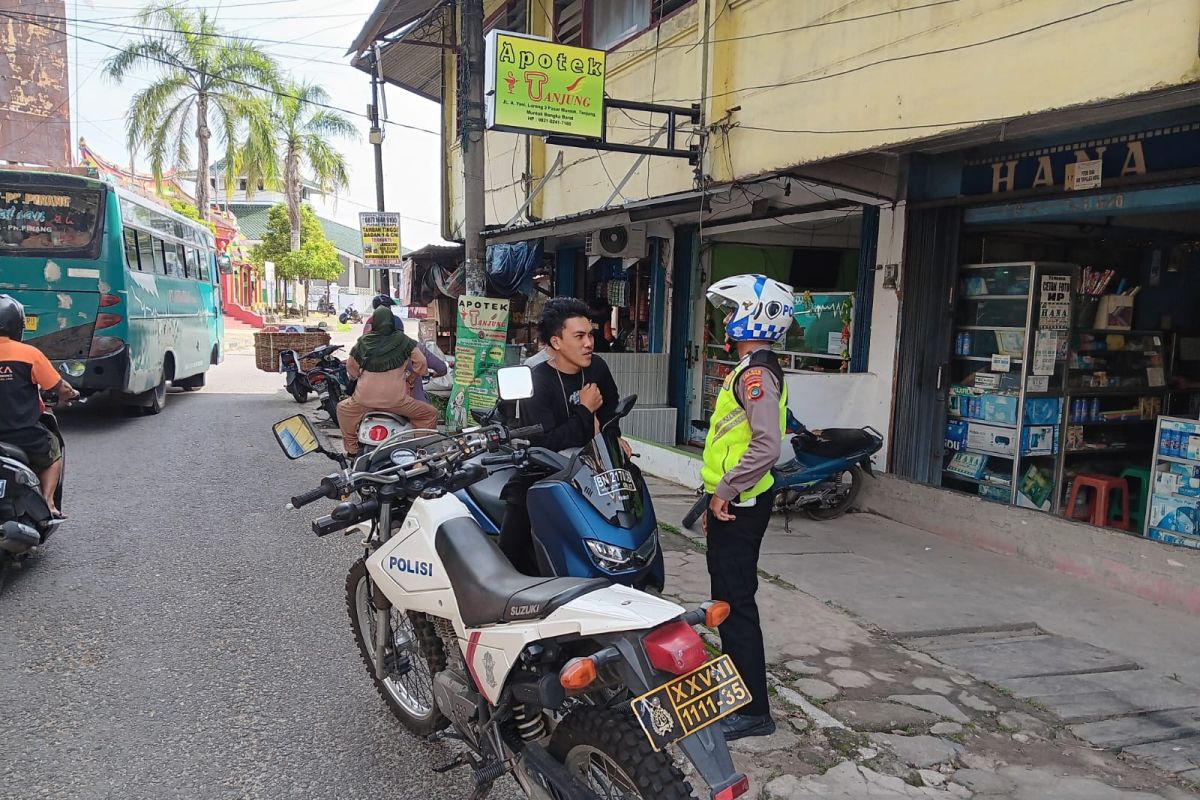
<point>490,590</point>
<point>14,452</point>
<point>834,443</point>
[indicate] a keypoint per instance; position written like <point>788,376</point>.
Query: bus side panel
<point>148,314</point>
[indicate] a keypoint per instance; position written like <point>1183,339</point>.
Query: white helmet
<point>760,307</point>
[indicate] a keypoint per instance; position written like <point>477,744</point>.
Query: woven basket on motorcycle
<point>268,345</point>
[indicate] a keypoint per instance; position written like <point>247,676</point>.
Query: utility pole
<point>376,137</point>
<point>470,100</point>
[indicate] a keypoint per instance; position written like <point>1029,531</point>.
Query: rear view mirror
<point>625,405</point>
<point>296,436</point>
<point>514,383</point>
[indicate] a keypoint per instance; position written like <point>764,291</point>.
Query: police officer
<point>744,437</point>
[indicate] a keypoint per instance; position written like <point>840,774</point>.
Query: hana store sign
<point>538,86</point>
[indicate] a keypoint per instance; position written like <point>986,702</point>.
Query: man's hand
<point>66,392</point>
<point>625,448</point>
<point>590,397</point>
<point>720,509</point>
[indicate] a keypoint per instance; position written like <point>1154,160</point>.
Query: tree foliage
<point>202,81</point>
<point>315,260</point>
<point>186,209</point>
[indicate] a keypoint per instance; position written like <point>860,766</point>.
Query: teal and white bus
<point>121,293</point>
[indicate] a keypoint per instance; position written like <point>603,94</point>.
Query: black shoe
<point>739,726</point>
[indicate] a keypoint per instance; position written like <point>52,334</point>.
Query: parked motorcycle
<point>591,516</point>
<point>25,519</point>
<point>328,378</point>
<point>350,315</point>
<point>824,475</point>
<point>534,675</point>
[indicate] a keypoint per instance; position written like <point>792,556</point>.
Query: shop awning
<point>412,36</point>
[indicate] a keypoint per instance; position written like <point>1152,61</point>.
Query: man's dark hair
<point>555,315</point>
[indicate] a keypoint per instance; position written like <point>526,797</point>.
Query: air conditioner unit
<point>619,241</point>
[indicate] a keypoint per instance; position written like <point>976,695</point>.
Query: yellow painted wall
<point>790,82</point>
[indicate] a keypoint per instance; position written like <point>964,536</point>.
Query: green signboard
<point>478,353</point>
<point>538,86</point>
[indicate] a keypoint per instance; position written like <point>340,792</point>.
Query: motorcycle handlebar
<point>497,460</point>
<point>326,489</point>
<point>527,431</point>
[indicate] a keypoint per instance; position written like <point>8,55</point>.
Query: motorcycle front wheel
<point>408,689</point>
<point>850,484</point>
<point>606,750</point>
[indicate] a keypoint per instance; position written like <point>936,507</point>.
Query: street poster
<point>478,353</point>
<point>823,324</point>
<point>1045,352</point>
<point>380,239</point>
<point>538,86</point>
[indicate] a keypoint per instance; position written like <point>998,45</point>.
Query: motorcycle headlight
<point>609,556</point>
<point>646,552</point>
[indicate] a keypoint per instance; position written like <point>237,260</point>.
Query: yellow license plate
<point>31,323</point>
<point>690,703</point>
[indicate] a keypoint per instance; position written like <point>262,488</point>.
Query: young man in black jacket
<point>574,394</point>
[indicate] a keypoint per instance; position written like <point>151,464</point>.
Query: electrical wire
<point>894,59</point>
<point>247,84</point>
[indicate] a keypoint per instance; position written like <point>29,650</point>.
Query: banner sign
<point>823,324</point>
<point>380,239</point>
<point>478,353</point>
<point>537,86</point>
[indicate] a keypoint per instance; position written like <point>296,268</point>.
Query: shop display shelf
<point>1105,423</point>
<point>1101,451</point>
<point>1083,391</point>
<point>1006,328</point>
<point>994,297</point>
<point>988,359</point>
<point>982,421</point>
<point>1187,462</point>
<point>1009,457</point>
<point>979,481</point>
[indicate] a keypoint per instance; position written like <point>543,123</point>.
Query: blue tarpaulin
<point>510,267</point>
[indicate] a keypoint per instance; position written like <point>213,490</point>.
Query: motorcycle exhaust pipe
<point>17,538</point>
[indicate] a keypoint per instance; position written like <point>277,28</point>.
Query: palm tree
<point>200,72</point>
<point>292,135</point>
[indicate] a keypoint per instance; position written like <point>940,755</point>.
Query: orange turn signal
<point>578,674</point>
<point>716,613</point>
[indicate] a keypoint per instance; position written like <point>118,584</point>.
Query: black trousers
<point>733,567</point>
<point>516,538</point>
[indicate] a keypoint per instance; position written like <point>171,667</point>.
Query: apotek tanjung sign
<point>537,86</point>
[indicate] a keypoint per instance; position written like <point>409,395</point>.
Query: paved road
<point>185,637</point>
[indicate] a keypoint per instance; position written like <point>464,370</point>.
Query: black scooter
<point>327,379</point>
<point>25,519</point>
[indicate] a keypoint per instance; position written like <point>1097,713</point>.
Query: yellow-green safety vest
<point>729,436</point>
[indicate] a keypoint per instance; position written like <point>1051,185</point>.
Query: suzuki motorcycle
<point>591,515</point>
<point>824,475</point>
<point>576,687</point>
<point>25,519</point>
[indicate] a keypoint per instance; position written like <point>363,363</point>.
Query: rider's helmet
<point>759,308</point>
<point>382,300</point>
<point>12,318</point>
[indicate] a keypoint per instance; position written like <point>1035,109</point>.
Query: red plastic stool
<point>1101,486</point>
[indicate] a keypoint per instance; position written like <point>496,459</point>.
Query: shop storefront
<point>1050,347</point>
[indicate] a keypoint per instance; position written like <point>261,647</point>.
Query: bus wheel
<point>192,384</point>
<point>158,399</point>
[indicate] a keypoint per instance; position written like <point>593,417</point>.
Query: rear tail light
<point>675,648</point>
<point>736,790</point>
<point>105,345</point>
<point>106,320</point>
<point>108,300</point>
<point>316,379</point>
<point>377,433</point>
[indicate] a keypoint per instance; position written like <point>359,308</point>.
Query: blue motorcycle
<point>591,515</point>
<point>824,475</point>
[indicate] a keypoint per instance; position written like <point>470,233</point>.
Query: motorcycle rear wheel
<point>606,750</point>
<point>847,498</point>
<point>410,697</point>
<point>298,392</point>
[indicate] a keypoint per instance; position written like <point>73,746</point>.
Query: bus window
<point>189,267</point>
<point>160,261</point>
<point>145,250</point>
<point>171,255</point>
<point>131,253</point>
<point>200,259</point>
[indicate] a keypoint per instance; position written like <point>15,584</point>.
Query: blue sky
<point>317,34</point>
